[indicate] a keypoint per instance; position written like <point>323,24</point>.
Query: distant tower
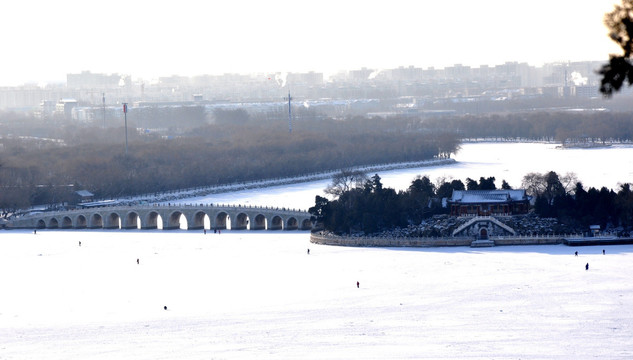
<point>289,98</point>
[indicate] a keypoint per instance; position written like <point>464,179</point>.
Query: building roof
<point>487,196</point>
<point>84,193</point>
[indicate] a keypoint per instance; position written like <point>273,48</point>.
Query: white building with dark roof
<point>488,202</point>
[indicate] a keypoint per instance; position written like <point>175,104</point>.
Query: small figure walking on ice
<point>80,244</point>
<point>603,251</point>
<point>308,251</point>
<point>357,284</point>
<point>138,261</point>
<point>576,253</point>
<point>587,266</point>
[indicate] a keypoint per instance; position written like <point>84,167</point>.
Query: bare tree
<point>549,185</point>
<point>569,181</point>
<point>533,183</point>
<point>346,180</point>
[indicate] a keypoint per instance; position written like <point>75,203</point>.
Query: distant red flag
<point>125,108</point>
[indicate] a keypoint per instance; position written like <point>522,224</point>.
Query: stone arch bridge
<point>168,217</point>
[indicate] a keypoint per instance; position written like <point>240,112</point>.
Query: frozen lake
<point>247,295</point>
<point>505,161</point>
<point>244,296</point>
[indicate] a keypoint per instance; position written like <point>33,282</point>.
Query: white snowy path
<point>259,295</point>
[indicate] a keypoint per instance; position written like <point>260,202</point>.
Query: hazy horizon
<point>150,40</point>
<point>278,75</point>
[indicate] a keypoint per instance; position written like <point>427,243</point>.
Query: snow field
<point>245,295</point>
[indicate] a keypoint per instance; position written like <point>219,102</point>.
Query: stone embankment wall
<point>329,239</point>
<point>530,240</point>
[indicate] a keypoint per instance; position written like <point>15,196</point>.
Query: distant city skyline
<point>44,41</point>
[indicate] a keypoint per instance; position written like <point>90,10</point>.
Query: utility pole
<point>125,114</point>
<point>289,98</point>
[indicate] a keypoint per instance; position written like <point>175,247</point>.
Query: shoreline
<point>220,189</point>
<point>427,242</point>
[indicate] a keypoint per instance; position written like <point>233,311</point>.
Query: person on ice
<point>358,284</point>
<point>587,266</point>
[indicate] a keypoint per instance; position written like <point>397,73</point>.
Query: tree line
<point>362,204</point>
<point>43,170</point>
<point>577,207</point>
<point>564,127</point>
<point>43,162</point>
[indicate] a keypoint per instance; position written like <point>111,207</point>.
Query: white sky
<point>44,40</point>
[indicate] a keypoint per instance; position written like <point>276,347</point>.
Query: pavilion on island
<point>488,202</point>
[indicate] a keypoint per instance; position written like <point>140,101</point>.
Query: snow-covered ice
<point>259,295</point>
<point>247,295</point>
<point>594,167</point>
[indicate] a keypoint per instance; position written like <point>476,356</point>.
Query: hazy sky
<point>43,40</point>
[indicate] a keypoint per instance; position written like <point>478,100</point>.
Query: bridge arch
<point>113,221</point>
<point>53,223</point>
<point>241,222</point>
<point>41,224</point>
<point>67,222</point>
<point>306,224</point>
<point>276,223</point>
<point>259,223</point>
<point>222,221</point>
<point>151,220</point>
<point>292,223</point>
<point>96,221</point>
<point>131,221</point>
<point>197,220</point>
<point>81,222</point>
<point>174,220</point>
